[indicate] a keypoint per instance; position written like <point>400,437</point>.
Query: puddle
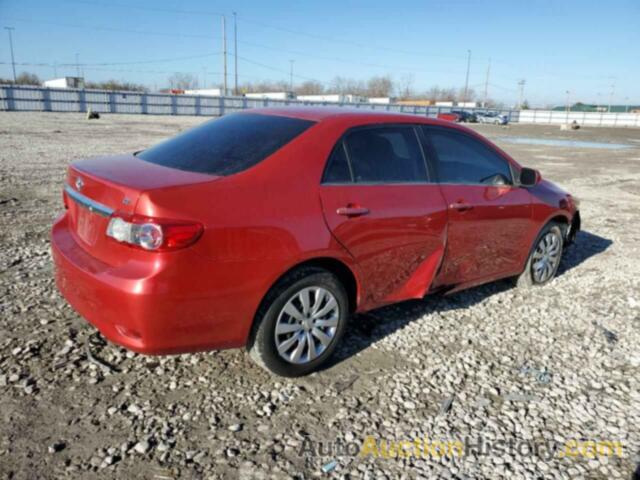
<point>564,143</point>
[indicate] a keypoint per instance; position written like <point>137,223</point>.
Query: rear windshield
<point>227,145</point>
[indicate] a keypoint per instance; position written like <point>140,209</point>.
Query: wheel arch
<point>340,269</point>
<point>556,217</point>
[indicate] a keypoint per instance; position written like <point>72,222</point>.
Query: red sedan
<point>269,228</point>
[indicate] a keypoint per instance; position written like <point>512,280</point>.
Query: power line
<point>112,29</point>
<point>151,9</point>
<point>244,19</point>
<point>13,60</point>
<point>258,45</point>
<point>342,60</point>
<point>137,62</point>
<point>343,41</point>
<point>279,70</point>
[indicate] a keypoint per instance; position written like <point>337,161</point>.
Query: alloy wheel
<point>546,257</point>
<point>307,325</point>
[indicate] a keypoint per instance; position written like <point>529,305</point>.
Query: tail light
<point>153,234</point>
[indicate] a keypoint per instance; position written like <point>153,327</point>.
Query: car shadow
<point>586,245</point>
<point>368,328</point>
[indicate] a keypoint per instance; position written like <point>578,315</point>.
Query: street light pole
<point>291,76</point>
<point>224,54</point>
<point>611,92</point>
<point>521,85</point>
<point>486,85</point>
<point>13,60</point>
<point>466,81</point>
<point>235,53</point>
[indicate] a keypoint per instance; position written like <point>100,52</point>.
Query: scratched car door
<point>489,214</point>
<point>379,203</point>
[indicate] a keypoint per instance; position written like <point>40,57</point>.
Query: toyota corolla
<point>268,229</point>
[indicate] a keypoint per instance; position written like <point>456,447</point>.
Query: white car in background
<point>492,117</point>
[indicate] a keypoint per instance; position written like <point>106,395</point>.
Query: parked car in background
<point>465,116</point>
<point>492,117</point>
<point>267,229</point>
<point>450,117</point>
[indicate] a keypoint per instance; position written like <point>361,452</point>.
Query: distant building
<point>271,95</point>
<point>64,82</point>
<point>444,104</point>
<point>207,92</point>
<point>333,98</point>
<point>589,107</point>
<point>466,104</point>
<point>416,103</point>
<point>381,100</point>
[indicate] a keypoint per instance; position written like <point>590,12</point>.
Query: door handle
<point>352,211</point>
<point>461,206</point>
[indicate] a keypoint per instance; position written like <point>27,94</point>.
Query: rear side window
<point>338,170</point>
<point>386,155</point>
<point>462,159</point>
<point>227,145</point>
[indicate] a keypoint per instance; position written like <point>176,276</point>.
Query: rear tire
<point>300,323</point>
<point>544,258</point>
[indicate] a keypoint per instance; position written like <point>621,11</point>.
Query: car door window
<point>338,170</point>
<point>464,160</point>
<point>386,155</point>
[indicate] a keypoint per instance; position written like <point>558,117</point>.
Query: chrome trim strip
<point>87,203</point>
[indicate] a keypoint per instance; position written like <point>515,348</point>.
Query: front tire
<point>300,323</point>
<point>544,259</point>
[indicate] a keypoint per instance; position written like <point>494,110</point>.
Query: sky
<point>589,48</point>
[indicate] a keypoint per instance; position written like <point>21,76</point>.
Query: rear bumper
<point>162,306</point>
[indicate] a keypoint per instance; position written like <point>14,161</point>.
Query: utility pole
<point>13,60</point>
<point>466,82</point>
<point>568,105</point>
<point>521,85</point>
<point>611,93</point>
<point>78,65</point>
<point>235,53</point>
<point>224,54</point>
<point>486,85</point>
<point>291,76</point>
<point>55,69</point>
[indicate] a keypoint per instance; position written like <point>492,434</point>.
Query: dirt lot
<point>494,364</point>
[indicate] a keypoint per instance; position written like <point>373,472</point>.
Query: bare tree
<point>380,86</point>
<point>470,97</point>
<point>116,85</point>
<point>24,78</point>
<point>183,81</point>
<point>405,86</point>
<point>437,94</point>
<point>264,86</point>
<point>310,87</point>
<point>346,86</point>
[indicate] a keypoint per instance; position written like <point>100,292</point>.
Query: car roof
<point>321,114</point>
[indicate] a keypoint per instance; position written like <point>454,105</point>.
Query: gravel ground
<point>553,364</point>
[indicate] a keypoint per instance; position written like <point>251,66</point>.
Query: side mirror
<point>529,177</point>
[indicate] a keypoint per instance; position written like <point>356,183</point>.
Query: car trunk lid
<point>98,187</point>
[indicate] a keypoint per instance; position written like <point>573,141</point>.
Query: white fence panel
<point>27,98</point>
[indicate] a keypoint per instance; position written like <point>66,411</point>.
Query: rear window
<point>227,145</point>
